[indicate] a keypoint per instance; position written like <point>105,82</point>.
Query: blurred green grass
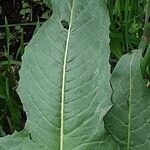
<point>127,22</point>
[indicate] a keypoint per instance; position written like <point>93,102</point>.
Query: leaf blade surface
<point>128,119</point>
<point>64,82</point>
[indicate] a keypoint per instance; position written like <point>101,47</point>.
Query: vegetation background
<point>19,21</point>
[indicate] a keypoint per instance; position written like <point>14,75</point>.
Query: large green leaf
<point>129,119</point>
<point>64,83</point>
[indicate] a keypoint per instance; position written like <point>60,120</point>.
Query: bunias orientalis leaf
<point>129,119</point>
<point>64,81</point>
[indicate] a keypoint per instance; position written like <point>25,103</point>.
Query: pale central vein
<point>130,99</point>
<point>63,80</point>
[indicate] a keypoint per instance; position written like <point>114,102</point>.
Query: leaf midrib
<point>63,80</point>
<point>130,99</point>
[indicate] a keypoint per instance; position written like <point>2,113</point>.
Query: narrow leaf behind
<point>129,119</point>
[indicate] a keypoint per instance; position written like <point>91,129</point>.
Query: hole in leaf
<point>65,24</point>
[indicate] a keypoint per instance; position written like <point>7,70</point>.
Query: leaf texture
<point>128,121</point>
<point>64,81</point>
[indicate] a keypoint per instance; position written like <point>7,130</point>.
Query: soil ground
<point>11,10</point>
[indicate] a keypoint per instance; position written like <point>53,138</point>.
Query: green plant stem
<point>127,4</point>
<point>22,24</point>
<point>8,40</point>
<point>11,63</point>
<point>145,61</point>
<point>147,15</point>
<point>144,42</point>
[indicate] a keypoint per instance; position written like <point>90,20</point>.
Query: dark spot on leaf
<point>30,136</point>
<point>65,24</point>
